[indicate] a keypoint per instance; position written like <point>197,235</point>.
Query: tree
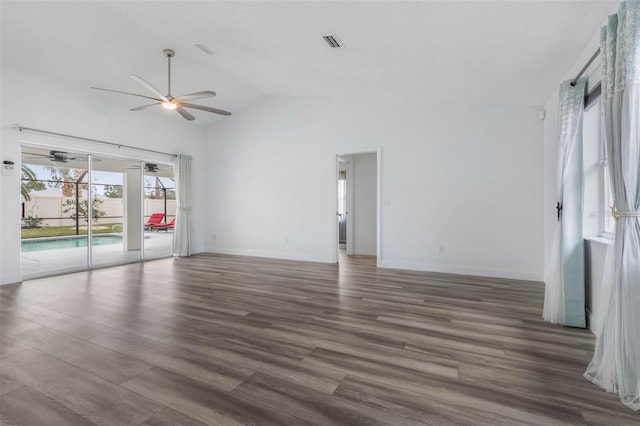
<point>34,185</point>
<point>158,191</point>
<point>113,191</point>
<point>59,175</point>
<point>81,210</point>
<point>66,179</point>
<point>29,182</point>
<point>150,191</point>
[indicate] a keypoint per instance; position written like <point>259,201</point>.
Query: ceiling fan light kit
<point>168,101</point>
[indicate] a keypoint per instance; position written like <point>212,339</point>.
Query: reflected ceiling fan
<point>148,167</point>
<point>57,156</point>
<point>168,101</point>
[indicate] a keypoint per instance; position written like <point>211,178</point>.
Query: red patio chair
<point>165,225</point>
<point>155,219</point>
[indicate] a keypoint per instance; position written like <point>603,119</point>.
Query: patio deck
<point>45,262</point>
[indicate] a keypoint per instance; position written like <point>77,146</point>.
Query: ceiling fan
<point>148,167</point>
<point>151,168</point>
<point>57,156</point>
<point>168,101</point>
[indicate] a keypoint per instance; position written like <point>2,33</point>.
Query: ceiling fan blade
<point>150,86</point>
<point>126,93</point>
<point>140,108</point>
<point>185,114</point>
<point>206,108</point>
<point>197,95</point>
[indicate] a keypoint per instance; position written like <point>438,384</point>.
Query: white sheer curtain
<point>182,230</point>
<point>564,285</point>
<point>616,362</point>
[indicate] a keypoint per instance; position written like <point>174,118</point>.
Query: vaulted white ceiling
<point>504,52</point>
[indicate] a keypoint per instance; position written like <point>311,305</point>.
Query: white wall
<point>363,216</point>
<point>466,177</point>
<point>33,102</point>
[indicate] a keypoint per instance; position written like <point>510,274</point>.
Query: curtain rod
<point>118,145</point>
<point>589,62</point>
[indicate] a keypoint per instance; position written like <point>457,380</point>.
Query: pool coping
<point>68,237</point>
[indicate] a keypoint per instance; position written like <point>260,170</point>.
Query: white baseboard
<point>270,254</point>
<point>391,264</point>
<point>462,270</point>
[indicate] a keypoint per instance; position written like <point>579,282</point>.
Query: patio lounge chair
<point>165,225</point>
<point>155,219</point>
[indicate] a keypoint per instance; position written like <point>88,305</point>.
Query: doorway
<point>357,225</point>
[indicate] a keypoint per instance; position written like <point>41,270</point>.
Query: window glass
<point>598,199</point>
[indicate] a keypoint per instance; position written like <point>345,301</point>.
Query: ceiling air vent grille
<point>333,41</point>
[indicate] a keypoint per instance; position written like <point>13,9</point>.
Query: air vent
<point>205,49</point>
<point>333,41</point>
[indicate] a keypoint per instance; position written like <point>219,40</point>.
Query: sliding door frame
<point>91,154</point>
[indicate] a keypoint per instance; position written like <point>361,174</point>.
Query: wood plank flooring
<point>227,340</point>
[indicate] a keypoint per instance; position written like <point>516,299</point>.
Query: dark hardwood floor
<point>227,340</point>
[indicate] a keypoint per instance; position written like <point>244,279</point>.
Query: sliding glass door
<point>116,231</point>
<point>80,210</point>
<point>54,191</point>
<point>159,201</point>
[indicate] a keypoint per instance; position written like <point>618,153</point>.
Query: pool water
<point>68,242</point>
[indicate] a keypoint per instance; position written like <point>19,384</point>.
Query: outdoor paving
<point>44,262</point>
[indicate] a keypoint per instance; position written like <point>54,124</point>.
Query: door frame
<point>336,173</point>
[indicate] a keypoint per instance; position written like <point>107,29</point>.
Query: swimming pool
<point>38,244</point>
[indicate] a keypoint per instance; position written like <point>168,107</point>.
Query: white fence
<point>52,209</point>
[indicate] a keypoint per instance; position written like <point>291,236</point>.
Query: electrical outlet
<point>286,241</point>
<point>213,237</point>
<point>441,249</point>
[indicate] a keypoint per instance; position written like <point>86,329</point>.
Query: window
<point>598,197</point>
<point>608,227</point>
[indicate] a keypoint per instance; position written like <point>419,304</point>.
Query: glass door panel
<point>54,195</point>
<point>116,231</point>
<point>159,209</point>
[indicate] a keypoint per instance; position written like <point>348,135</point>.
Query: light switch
<point>7,168</point>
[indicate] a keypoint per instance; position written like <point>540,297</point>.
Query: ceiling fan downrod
<point>169,53</point>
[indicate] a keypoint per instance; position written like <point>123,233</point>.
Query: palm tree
<point>27,173</point>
